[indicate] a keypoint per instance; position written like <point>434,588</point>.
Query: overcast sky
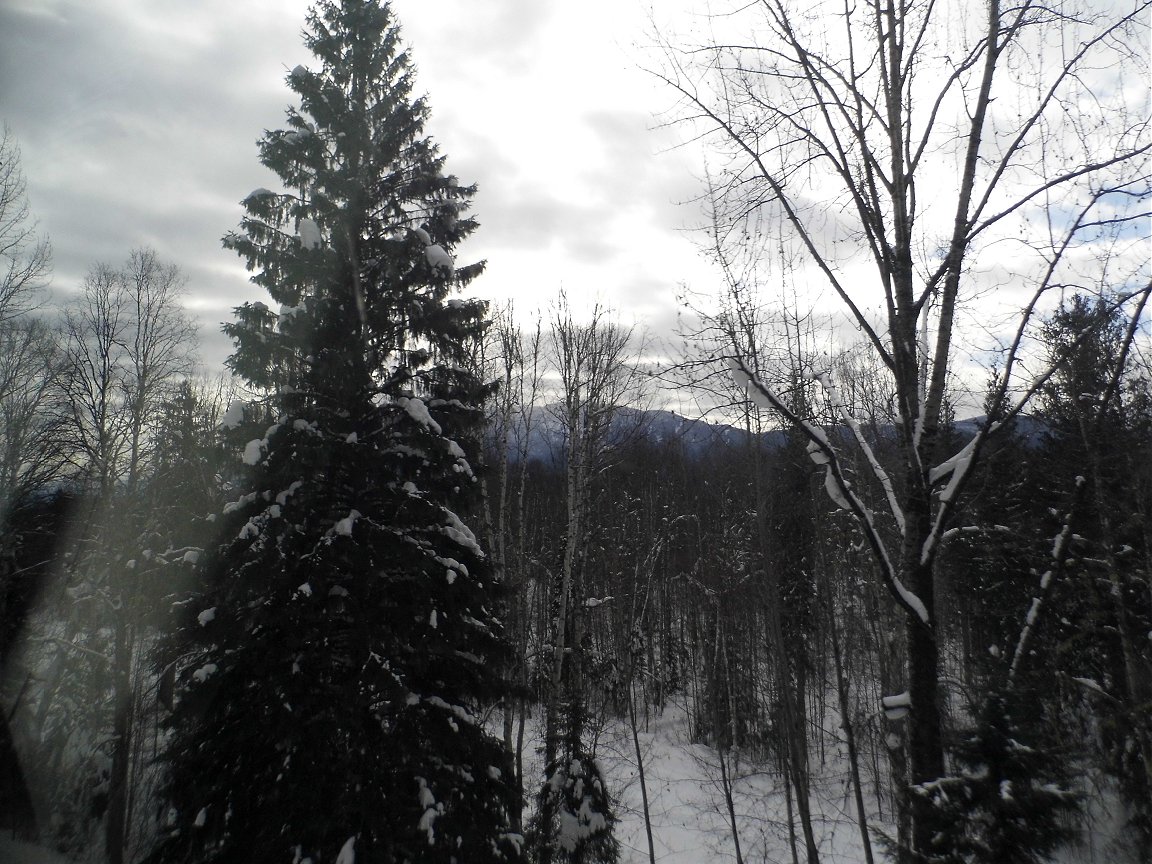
<point>137,122</point>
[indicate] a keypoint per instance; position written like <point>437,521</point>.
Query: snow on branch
<point>234,417</point>
<point>956,469</point>
<point>832,392</point>
<point>254,451</point>
<point>896,707</point>
<point>418,411</point>
<point>432,810</point>
<point>957,465</point>
<point>1093,685</point>
<point>257,194</point>
<point>435,254</point>
<point>345,526</point>
<point>439,259</point>
<point>309,234</point>
<point>347,852</point>
<point>974,529</point>
<point>821,451</point>
<point>1057,559</point>
<point>460,533</point>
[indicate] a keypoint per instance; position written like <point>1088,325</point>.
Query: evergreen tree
<point>331,669</point>
<point>1006,801</point>
<point>1097,416</point>
<point>188,456</point>
<point>988,569</point>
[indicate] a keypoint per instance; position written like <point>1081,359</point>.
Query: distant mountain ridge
<point>696,437</point>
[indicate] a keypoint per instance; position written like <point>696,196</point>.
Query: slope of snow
<point>689,817</point>
<point>687,808</point>
<point>690,823</point>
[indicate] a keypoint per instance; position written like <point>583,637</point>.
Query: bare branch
<point>835,482</point>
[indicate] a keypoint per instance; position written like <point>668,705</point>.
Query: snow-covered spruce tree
<point>574,821</point>
<point>331,669</point>
<point>1006,801</point>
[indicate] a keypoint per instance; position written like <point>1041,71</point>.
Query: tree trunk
<point>726,785</point>
<point>925,744</point>
<point>789,810</point>
<point>925,741</point>
<point>640,773</point>
<point>849,732</point>
<point>117,824</point>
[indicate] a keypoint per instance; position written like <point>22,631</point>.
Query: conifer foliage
<point>1007,802</point>
<point>330,671</point>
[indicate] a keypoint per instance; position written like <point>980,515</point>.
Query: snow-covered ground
<point>690,823</point>
<point>689,816</point>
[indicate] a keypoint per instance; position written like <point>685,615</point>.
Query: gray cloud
<point>132,134</point>
<point>138,122</point>
<point>501,34</point>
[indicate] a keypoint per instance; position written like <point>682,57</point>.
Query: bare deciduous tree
<point>513,361</point>
<point>915,156</point>
<point>159,346</point>
<point>95,325</point>
<point>25,256</point>
<point>598,375</point>
<point>32,413</point>
<point>28,451</point>
<point>128,341</point>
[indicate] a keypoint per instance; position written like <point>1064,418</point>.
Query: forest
<point>423,578</point>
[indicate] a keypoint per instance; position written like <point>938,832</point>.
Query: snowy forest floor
<point>690,823</point>
<point>689,816</point>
